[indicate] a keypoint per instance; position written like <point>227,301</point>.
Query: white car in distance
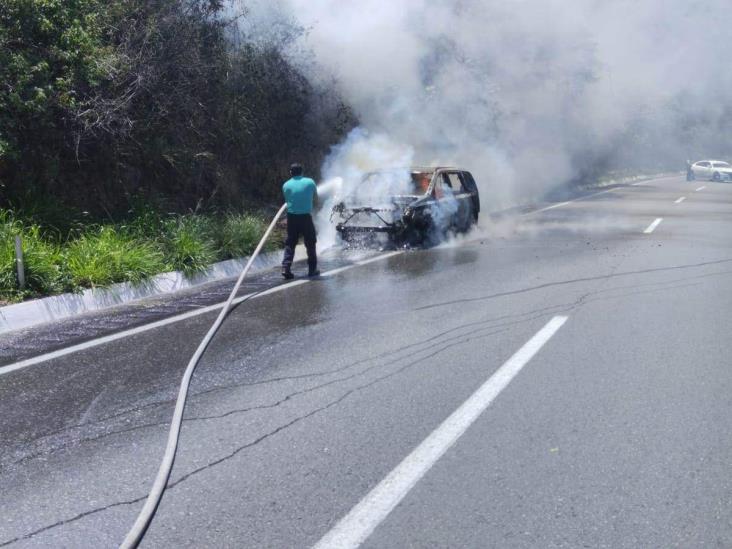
<point>713,170</point>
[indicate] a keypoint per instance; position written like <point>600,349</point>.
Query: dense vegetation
<point>102,101</point>
<point>106,105</point>
<point>98,255</point>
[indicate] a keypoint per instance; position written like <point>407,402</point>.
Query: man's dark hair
<point>296,169</point>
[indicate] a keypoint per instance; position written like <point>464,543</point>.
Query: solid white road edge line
<point>177,318</point>
<point>652,226</point>
<point>353,529</point>
<point>701,188</point>
<point>560,204</point>
<point>591,195</point>
<point>680,200</point>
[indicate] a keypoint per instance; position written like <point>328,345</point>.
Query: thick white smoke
<point>527,94</point>
<point>348,165</point>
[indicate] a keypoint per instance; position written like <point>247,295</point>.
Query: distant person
<point>689,171</point>
<point>300,192</point>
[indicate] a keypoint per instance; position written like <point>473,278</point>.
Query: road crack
<point>253,443</point>
<point>482,324</point>
<point>569,282</point>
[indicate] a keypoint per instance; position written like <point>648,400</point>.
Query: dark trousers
<point>297,225</point>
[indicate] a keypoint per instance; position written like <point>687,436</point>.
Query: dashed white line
<point>353,529</point>
<point>701,188</point>
<point>177,318</point>
<point>652,226</point>
<point>680,200</point>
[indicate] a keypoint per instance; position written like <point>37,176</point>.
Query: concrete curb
<point>50,309</point>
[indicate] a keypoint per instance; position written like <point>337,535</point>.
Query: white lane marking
<point>680,200</point>
<point>593,194</point>
<point>701,188</point>
<point>173,319</point>
<point>652,179</point>
<point>377,258</point>
<point>652,226</point>
<point>570,201</point>
<point>554,206</point>
<point>337,271</point>
<point>353,529</point>
<point>360,263</point>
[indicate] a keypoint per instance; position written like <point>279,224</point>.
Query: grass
<point>107,255</point>
<point>241,233</point>
<point>190,243</point>
<point>144,245</point>
<point>42,259</point>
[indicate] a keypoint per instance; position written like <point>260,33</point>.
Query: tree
<point>102,101</point>
<point>51,58</point>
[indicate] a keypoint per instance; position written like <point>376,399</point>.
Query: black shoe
<point>287,274</point>
<point>316,272</point>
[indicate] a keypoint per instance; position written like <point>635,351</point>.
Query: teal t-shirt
<point>299,193</point>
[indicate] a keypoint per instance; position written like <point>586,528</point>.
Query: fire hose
<point>139,528</point>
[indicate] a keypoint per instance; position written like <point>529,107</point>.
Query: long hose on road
<point>137,532</point>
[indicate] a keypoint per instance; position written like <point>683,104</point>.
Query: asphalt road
<point>613,430</point>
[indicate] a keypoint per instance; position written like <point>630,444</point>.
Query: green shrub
<point>43,261</point>
<point>190,243</point>
<point>148,244</point>
<point>241,233</point>
<point>145,220</point>
<point>8,282</point>
<point>9,227</point>
<point>44,271</point>
<point>107,255</point>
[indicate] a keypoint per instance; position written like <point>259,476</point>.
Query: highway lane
<point>616,433</point>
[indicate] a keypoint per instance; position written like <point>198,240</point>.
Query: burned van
<point>417,206</point>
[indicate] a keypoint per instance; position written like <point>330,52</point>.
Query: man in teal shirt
<point>299,193</point>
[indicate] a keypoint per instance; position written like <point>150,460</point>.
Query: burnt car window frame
<point>438,174</point>
<point>439,181</point>
<point>459,175</point>
<point>431,187</point>
<point>470,185</point>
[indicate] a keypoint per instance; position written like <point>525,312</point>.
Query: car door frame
<point>461,218</point>
<point>703,172</point>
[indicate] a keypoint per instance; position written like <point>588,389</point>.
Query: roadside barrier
<point>147,513</point>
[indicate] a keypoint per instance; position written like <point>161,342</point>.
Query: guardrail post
<point>19,262</point>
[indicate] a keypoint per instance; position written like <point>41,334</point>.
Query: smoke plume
<point>527,94</point>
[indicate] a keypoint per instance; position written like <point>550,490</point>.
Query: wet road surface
<point>615,433</point>
<point>27,343</point>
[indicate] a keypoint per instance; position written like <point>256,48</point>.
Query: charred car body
<point>419,206</point>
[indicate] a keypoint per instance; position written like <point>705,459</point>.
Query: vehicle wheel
<point>716,177</point>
